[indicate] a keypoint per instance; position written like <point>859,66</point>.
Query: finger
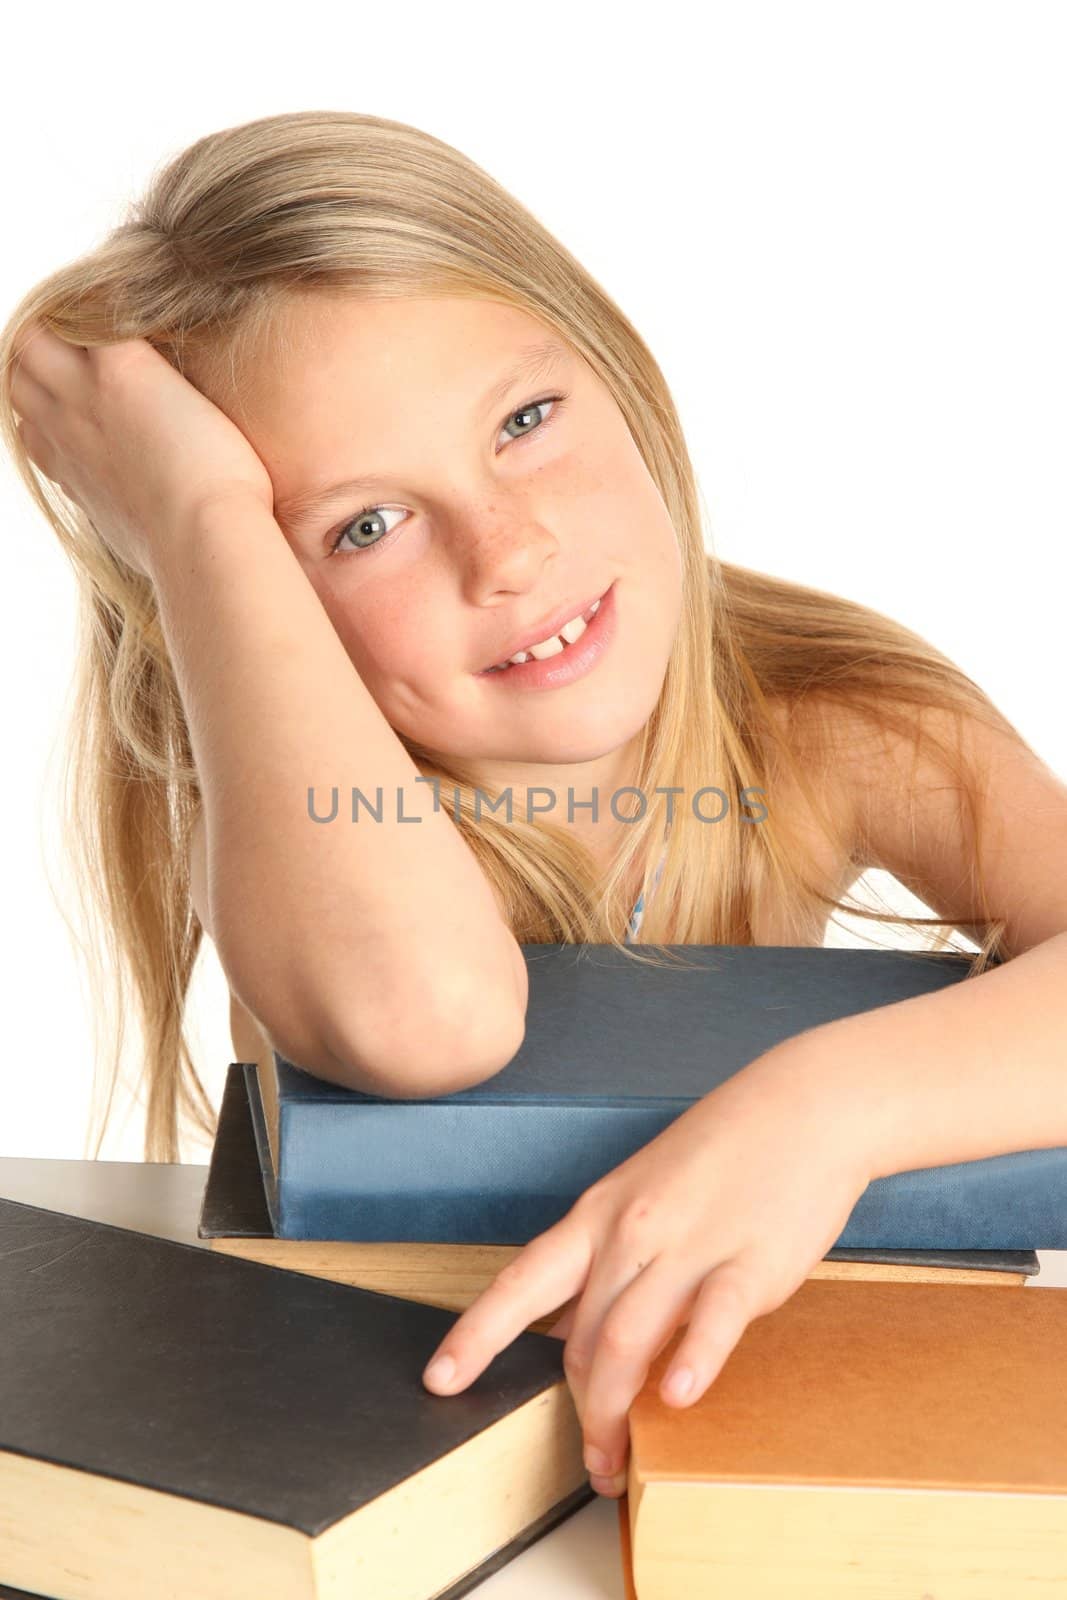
<point>28,397</point>
<point>49,360</point>
<point>536,1280</point>
<point>629,1337</point>
<point>33,442</point>
<point>562,1328</point>
<point>725,1304</point>
<point>607,1281</point>
<point>20,344</point>
<point>634,1242</point>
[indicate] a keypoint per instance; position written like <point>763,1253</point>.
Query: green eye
<point>371,512</point>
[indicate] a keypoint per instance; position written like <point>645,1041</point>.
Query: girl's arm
<point>980,1068</point>
<point>724,1214</point>
<point>975,1070</point>
<point>373,953</point>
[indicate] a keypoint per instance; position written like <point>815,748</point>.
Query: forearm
<point>377,930</point>
<point>974,1070</point>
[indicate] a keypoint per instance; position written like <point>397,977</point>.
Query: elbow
<point>486,1052</point>
<point>442,1070</point>
<point>430,1052</point>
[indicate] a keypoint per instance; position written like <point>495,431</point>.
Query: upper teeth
<point>570,632</point>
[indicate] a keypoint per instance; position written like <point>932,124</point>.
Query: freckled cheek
<point>610,494</point>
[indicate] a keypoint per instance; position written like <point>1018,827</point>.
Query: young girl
<point>331,429</point>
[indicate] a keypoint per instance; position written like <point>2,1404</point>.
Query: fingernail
<point>441,1371</point>
<point>596,1461</point>
<point>609,1486</point>
<point>679,1383</point>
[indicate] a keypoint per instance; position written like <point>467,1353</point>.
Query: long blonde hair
<point>229,237</point>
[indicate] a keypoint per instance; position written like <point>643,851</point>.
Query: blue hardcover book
<point>613,1053</point>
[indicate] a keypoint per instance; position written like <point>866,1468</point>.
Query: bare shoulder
<point>831,744</point>
<point>816,816</point>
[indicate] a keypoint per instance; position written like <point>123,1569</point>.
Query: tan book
<point>890,1440</point>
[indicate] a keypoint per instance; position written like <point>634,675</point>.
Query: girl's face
<point>482,511</point>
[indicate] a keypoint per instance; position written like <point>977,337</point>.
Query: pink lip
<point>571,663</point>
<point>545,630</point>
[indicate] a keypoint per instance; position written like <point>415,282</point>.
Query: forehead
<point>322,406</point>
<point>388,339</point>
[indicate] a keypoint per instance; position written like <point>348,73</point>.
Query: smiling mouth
<point>554,645</point>
<point>564,664</point>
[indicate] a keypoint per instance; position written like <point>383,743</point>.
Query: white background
<point>840,227</point>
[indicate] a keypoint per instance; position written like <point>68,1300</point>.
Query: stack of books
<point>251,1419</point>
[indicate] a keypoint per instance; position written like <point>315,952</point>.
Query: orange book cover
<point>902,1438</point>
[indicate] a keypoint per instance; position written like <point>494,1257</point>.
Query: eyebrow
<point>535,361</point>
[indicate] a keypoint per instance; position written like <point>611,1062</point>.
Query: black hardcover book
<point>171,1416</point>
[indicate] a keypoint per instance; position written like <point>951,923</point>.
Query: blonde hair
<point>229,237</point>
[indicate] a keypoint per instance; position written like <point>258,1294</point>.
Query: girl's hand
<point>128,439</point>
<point>717,1220</point>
